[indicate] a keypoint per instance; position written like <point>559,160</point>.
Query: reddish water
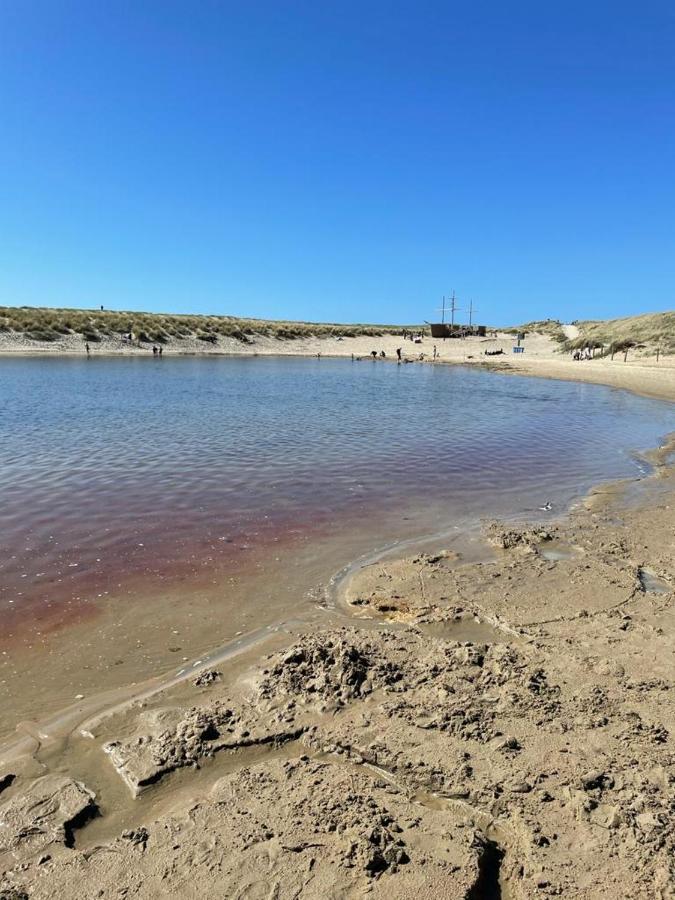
<point>122,478</point>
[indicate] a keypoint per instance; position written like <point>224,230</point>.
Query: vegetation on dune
<point>647,332</point>
<point>44,324</point>
<point>551,327</point>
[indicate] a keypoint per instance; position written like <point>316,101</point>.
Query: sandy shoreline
<point>459,734</point>
<point>641,374</point>
<point>495,726</point>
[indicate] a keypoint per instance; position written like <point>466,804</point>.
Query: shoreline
<point>635,377</point>
<point>451,727</point>
<point>542,359</point>
<point>393,618</point>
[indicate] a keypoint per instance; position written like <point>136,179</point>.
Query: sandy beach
<point>299,601</point>
<point>482,723</point>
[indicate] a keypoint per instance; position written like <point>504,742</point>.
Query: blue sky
<point>338,161</point>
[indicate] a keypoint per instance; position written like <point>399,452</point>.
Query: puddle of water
<point>555,552</point>
<point>466,629</point>
<point>652,583</point>
<point>120,811</point>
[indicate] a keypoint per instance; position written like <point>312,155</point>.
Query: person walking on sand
<point>435,352</point>
<point>398,353</point>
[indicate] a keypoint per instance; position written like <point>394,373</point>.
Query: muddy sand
<point>501,728</point>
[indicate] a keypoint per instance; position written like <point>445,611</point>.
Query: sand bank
<point>642,376</point>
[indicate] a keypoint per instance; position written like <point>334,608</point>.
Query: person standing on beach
<point>86,347</point>
<point>398,353</point>
<point>160,350</point>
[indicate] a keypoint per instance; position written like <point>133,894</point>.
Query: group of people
<point>414,336</point>
<point>399,353</point>
<point>156,351</point>
<point>585,353</point>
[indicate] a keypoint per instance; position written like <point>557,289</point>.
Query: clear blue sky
<point>346,161</point>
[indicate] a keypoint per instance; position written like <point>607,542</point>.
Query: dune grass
<point>651,330</point>
<point>647,333</point>
<point>46,324</point>
<point>43,324</point>
<point>551,327</point>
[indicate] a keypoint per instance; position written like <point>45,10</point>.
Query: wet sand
<point>486,720</point>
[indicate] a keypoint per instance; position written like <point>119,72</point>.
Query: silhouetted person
<point>86,347</point>
<point>398,353</point>
<point>373,353</point>
<point>154,350</point>
<point>160,351</point>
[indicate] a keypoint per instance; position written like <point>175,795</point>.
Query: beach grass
<point>48,324</point>
<point>649,332</point>
<point>551,327</point>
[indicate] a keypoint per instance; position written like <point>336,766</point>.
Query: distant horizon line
<point>248,318</point>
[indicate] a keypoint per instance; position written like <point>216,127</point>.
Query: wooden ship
<point>452,329</point>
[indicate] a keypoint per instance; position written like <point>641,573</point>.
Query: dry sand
<point>475,729</point>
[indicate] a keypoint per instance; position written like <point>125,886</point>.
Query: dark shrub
<point>43,335</point>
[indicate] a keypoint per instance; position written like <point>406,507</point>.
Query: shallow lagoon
<point>118,474</point>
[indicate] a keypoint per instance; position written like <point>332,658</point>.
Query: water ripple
<point>102,459</point>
